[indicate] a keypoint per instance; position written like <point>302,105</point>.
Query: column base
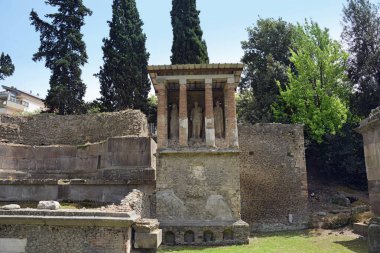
<point>374,236</point>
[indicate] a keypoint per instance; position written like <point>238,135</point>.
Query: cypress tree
<point>188,45</point>
<point>64,51</point>
<point>6,66</point>
<point>123,77</point>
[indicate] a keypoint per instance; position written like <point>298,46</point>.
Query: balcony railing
<point>15,104</point>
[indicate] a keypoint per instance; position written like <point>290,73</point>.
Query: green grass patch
<point>310,241</point>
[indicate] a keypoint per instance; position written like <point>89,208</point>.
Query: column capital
<point>231,80</point>
<point>182,81</point>
<point>208,81</point>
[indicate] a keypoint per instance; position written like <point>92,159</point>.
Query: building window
<point>26,104</point>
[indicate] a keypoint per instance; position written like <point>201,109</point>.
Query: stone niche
<point>198,173</point>
<point>370,129</point>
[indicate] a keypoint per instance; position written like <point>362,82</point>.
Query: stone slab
<point>12,245</point>
<point>361,229</point>
<point>374,236</point>
<point>150,240</point>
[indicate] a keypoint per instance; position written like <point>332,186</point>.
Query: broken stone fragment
<point>146,225</point>
<point>48,205</point>
<point>341,200</point>
<point>10,207</point>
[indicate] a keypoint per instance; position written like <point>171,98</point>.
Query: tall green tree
<point>362,34</point>
<point>123,77</point>
<point>188,45</point>
<point>6,66</point>
<point>317,92</point>
<point>266,57</point>
<point>64,51</point>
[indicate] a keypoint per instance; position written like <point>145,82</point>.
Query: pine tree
<point>188,45</point>
<point>64,51</point>
<point>6,66</point>
<point>124,76</point>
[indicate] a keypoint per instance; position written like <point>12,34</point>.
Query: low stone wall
<point>273,176</point>
<point>102,172</point>
<point>118,158</point>
<point>49,129</point>
<point>79,232</point>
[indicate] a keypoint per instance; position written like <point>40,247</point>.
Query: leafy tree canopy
<point>266,57</point>
<point>124,75</point>
<point>362,34</point>
<point>317,92</point>
<point>64,51</point>
<point>188,45</point>
<point>6,66</point>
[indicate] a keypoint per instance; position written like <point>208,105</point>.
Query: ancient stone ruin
<point>370,129</point>
<point>208,180</point>
<point>198,187</point>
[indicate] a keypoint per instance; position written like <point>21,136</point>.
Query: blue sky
<point>224,24</point>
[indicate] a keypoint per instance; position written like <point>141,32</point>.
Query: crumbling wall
<point>49,129</point>
<point>273,176</point>
<point>118,158</point>
<point>105,171</point>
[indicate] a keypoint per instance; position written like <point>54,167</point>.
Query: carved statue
<point>218,120</point>
<point>196,119</point>
<point>174,122</point>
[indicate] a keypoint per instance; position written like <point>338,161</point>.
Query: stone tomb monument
<point>370,129</point>
<point>198,173</point>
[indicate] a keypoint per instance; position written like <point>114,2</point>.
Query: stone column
<point>370,129</point>
<point>230,112</point>
<point>183,118</point>
<point>162,116</point>
<point>209,114</point>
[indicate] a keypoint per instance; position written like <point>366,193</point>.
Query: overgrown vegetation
<point>325,88</point>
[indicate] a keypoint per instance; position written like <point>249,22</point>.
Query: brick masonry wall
<point>273,176</point>
<point>48,129</point>
<point>66,239</point>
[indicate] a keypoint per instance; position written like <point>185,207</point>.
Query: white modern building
<point>14,101</point>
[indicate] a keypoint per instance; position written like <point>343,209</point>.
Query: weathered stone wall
<point>105,171</point>
<point>48,129</point>
<point>118,158</point>
<point>198,186</point>
<point>370,129</point>
<point>47,239</point>
<point>273,176</point>
<point>79,231</point>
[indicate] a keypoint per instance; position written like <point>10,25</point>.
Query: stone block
<point>48,205</point>
<point>12,245</point>
<point>374,236</point>
<point>10,207</point>
<point>146,225</point>
<point>150,240</point>
<point>361,229</point>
